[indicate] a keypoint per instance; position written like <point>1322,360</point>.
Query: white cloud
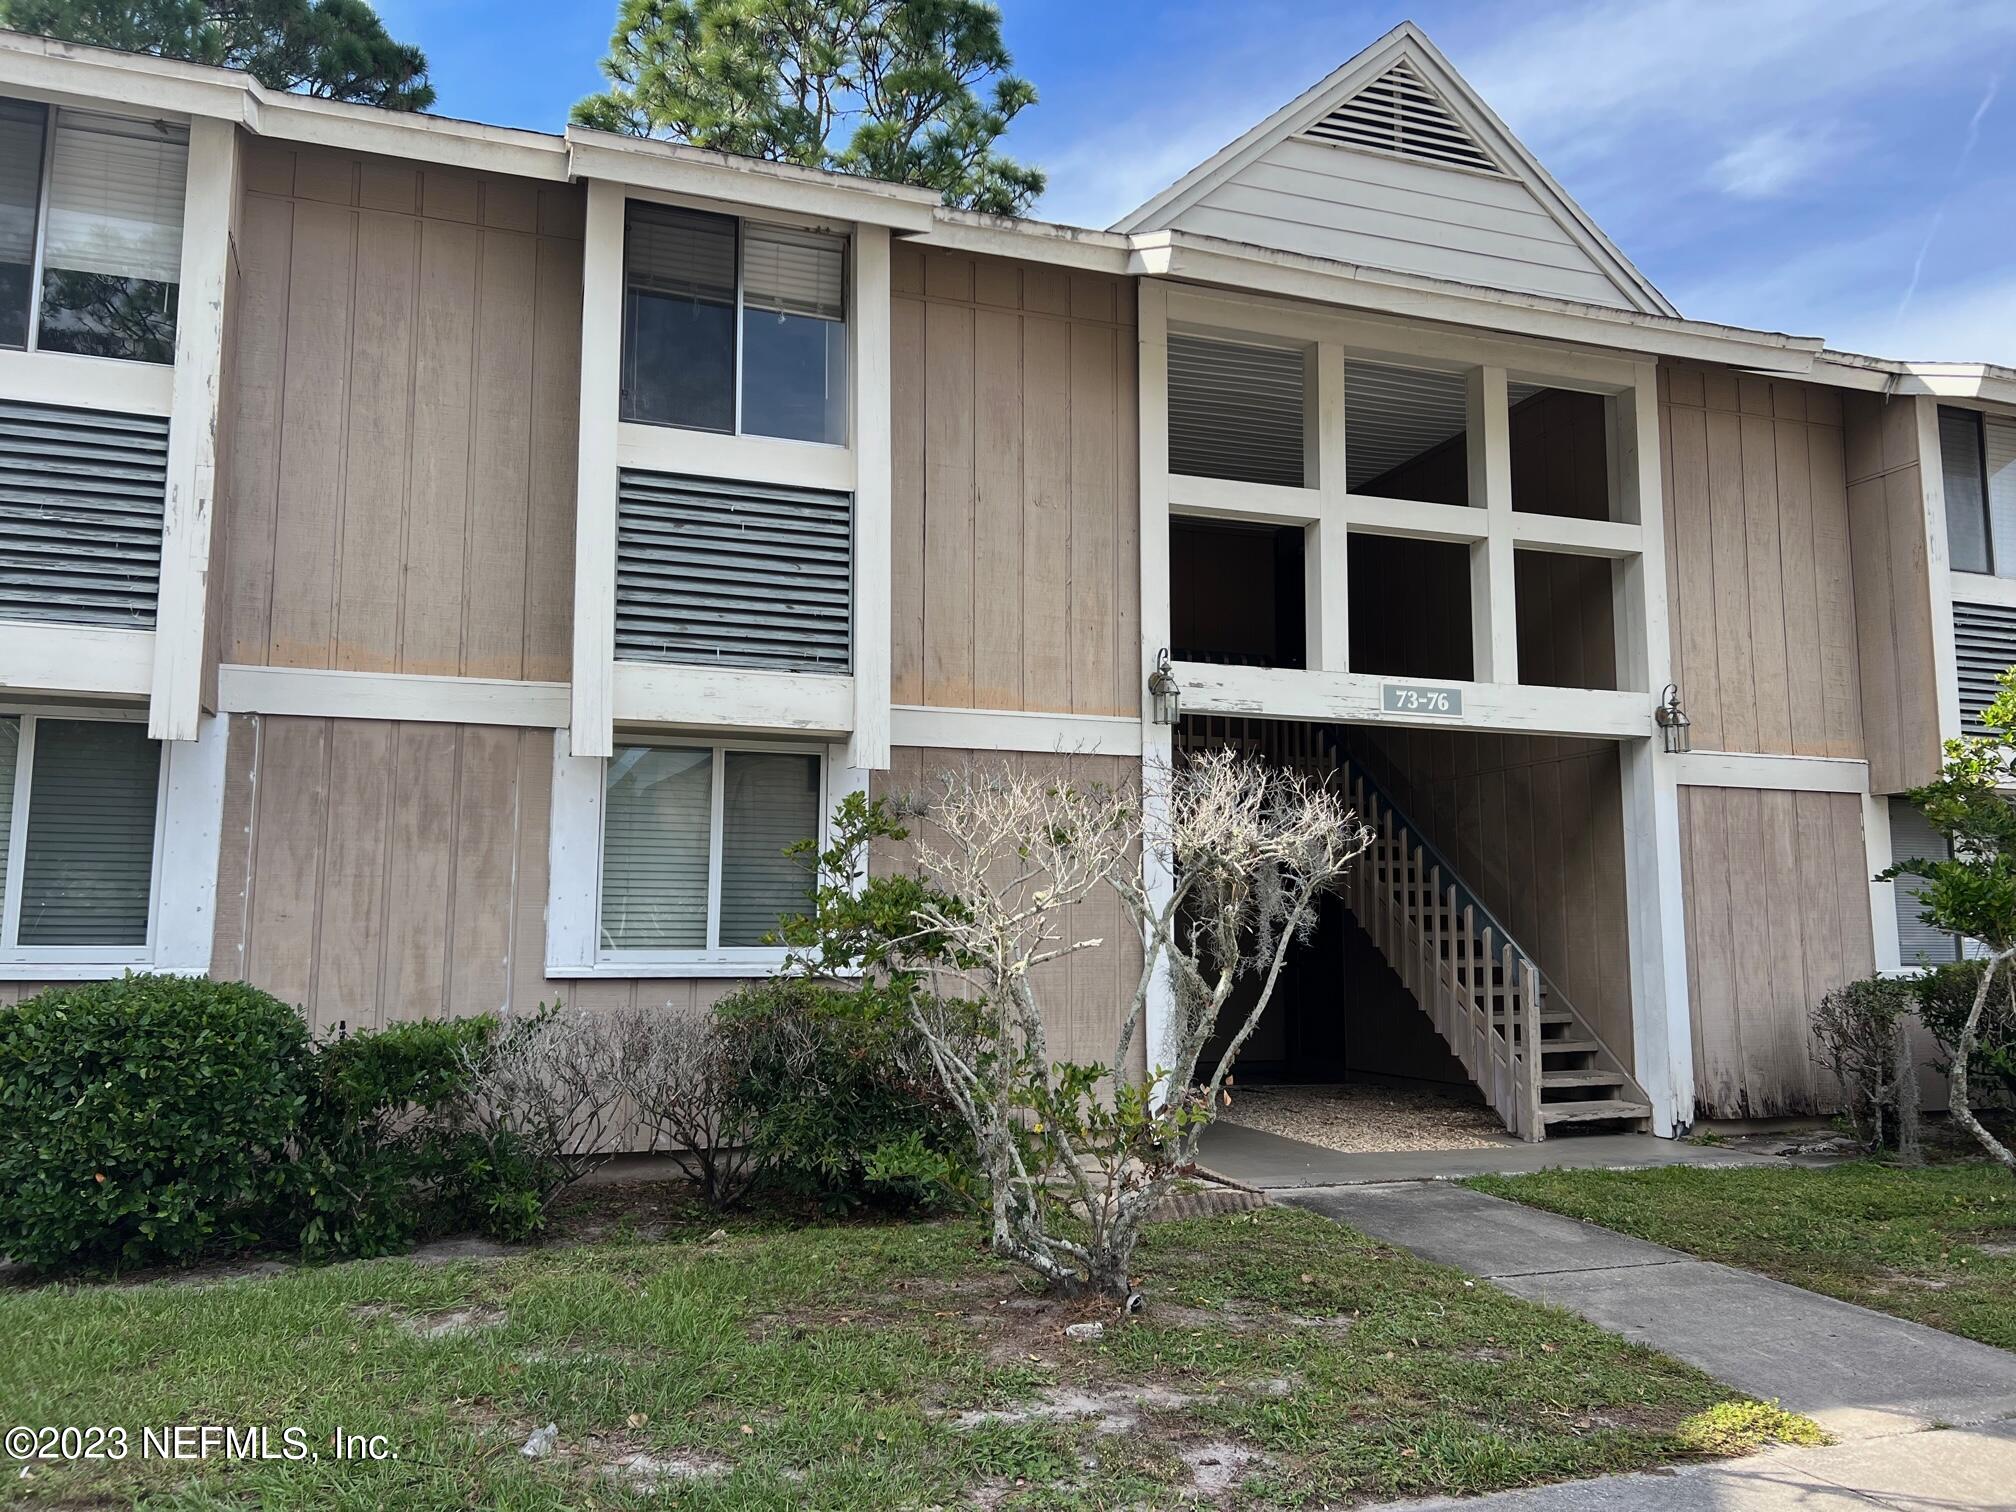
<point>1774,162</point>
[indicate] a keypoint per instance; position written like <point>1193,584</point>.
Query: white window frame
<point>51,112</point>
<point>779,221</point>
<point>13,954</point>
<point>574,946</point>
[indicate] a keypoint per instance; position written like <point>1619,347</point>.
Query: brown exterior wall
<point>1893,599</point>
<point>1777,894</point>
<point>1016,506</point>
<point>1084,994</point>
<point>1760,581</point>
<point>374,871</point>
<point>1535,827</point>
<point>401,419</point>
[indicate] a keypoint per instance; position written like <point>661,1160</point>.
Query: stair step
<point>1569,1047</point>
<point>1546,1016</point>
<point>1589,1112</point>
<point>1581,1079</point>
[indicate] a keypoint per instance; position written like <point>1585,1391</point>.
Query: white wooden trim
<point>1596,538</point>
<point>192,830</point>
<point>1416,520</point>
<point>874,467</point>
<point>1152,308</point>
<point>604,157</point>
<point>1236,499</point>
<point>1878,854</point>
<point>1938,567</point>
<point>945,729</point>
<point>1326,600</point>
<point>749,459</point>
<point>573,860</point>
<point>1354,698</point>
<point>314,692</point>
<point>592,709</point>
<point>1792,774</point>
<point>181,610</point>
<point>83,659</point>
<point>1979,588</point>
<point>1028,241</point>
<point>743,699</point>
<point>94,383</point>
<point>1494,620</point>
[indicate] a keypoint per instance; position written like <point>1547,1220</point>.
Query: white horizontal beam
<point>1979,588</point>
<point>316,693</point>
<point>1597,538</point>
<point>755,702</point>
<point>80,659</point>
<point>1411,518</point>
<point>753,459</point>
<point>1791,774</point>
<point>1013,730</point>
<point>95,383</point>
<point>1355,698</point>
<point>1234,499</point>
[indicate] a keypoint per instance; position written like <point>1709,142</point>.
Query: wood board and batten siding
<point>1016,503</point>
<point>1761,576</point>
<point>406,357</point>
<point>1087,992</point>
<point>373,871</point>
<point>1778,915</point>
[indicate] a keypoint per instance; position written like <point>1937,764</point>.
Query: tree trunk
<point>1962,1108</point>
<point>1909,1151</point>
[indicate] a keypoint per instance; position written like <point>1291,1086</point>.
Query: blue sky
<point>1840,168</point>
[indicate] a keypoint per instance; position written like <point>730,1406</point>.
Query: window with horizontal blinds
<point>21,131</point>
<point>657,827</point>
<point>1998,464</point>
<point>10,759</point>
<point>1912,838</point>
<point>794,272</point>
<point>1960,467</point>
<point>794,336</point>
<point>770,802</point>
<point>1237,411</point>
<point>87,868</point>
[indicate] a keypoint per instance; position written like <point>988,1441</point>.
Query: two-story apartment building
<point>441,566</point>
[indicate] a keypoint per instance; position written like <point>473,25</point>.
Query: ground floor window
<point>697,849</point>
<point>79,803</point>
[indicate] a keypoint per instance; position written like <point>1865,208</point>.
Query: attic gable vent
<point>1400,113</point>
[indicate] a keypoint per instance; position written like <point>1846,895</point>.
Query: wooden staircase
<point>1538,1062</point>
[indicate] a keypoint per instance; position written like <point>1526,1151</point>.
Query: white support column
<point>1156,740</point>
<point>591,730</point>
<point>869,746</point>
<point>1938,566</point>
<point>1326,544</point>
<point>1877,854</point>
<point>181,612</point>
<point>1661,1024</point>
<point>1494,625</point>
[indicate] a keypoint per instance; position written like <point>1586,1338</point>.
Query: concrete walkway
<point>1860,1374</point>
<point>1254,1158</point>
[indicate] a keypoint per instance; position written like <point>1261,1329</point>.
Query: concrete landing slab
<point>1857,1372</point>
<point>1957,1470</point>
<point>1270,1162</point>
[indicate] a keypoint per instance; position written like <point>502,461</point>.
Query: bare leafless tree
<point>679,1076</point>
<point>1244,852</point>
<point>545,1090</point>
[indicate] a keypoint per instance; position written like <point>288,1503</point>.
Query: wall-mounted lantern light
<point>1673,721</point>
<point>1166,692</point>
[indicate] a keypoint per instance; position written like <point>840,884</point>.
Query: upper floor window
<point>90,231</point>
<point>1977,463</point>
<point>734,327</point>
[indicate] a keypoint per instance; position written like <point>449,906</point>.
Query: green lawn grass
<point>1908,1242</point>
<point>827,1367</point>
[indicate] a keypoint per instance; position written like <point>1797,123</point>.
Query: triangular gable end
<point>1393,161</point>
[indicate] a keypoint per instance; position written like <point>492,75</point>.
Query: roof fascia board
<point>96,76</point>
<point>1029,241</point>
<point>676,169</point>
<point>1168,254</point>
<point>1983,382</point>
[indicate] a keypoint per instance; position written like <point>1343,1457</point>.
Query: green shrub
<point>146,1120</point>
<point>1945,998</point>
<point>838,1095</point>
<point>386,1156</point>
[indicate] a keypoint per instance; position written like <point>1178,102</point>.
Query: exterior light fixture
<point>1166,692</point>
<point>1673,721</point>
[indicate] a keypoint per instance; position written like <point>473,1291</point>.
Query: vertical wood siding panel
<point>374,473</point>
<point>292,796</point>
<point>1778,1075</point>
<point>948,494</point>
<point>1734,657</point>
<point>556,380</point>
<point>1693,550</point>
<point>486,817</point>
<point>529,986</point>
<point>500,499</point>
<point>438,522</point>
<point>1766,584</point>
<point>1821,923</point>
<point>351,932</point>
<point>315,403</point>
<point>259,365</point>
<point>1834,590</point>
<point>997,521</point>
<point>1875,639</point>
<point>1127,540</point>
<point>1046,514</point>
<point>234,849</point>
<point>422,871</point>
<point>1911,619</point>
<point>1750,931</point>
<point>906,495</point>
<point>1094,502</point>
<point>1805,686</point>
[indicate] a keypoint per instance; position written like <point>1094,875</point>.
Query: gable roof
<point>1410,119</point>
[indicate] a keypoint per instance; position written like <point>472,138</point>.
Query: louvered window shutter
<point>1984,647</point>
<point>88,859</point>
<point>658,816</point>
<point>20,179</point>
<point>1400,113</point>
<point>1913,838</point>
<point>794,272</point>
<point>770,800</point>
<point>10,759</point>
<point>1236,411</point>
<point>115,197</point>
